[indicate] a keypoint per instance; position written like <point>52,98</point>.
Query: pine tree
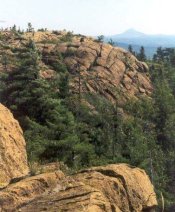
<point>30,28</point>
<point>130,49</point>
<point>100,38</point>
<point>141,55</point>
<point>111,42</point>
<point>20,83</point>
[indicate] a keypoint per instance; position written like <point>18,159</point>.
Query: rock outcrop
<point>103,69</point>
<point>13,157</point>
<point>110,71</point>
<point>119,188</point>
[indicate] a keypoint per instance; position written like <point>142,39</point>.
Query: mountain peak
<point>132,33</point>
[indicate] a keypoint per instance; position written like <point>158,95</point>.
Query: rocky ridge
<point>101,68</point>
<point>94,67</point>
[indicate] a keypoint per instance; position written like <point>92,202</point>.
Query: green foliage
<point>100,38</point>
<point>42,30</point>
<point>163,78</point>
<point>49,127</point>
<point>67,37</point>
<point>29,27</point>
<point>64,85</point>
<point>111,42</point>
<point>69,53</point>
<point>87,129</point>
<point>37,138</point>
<point>130,49</point>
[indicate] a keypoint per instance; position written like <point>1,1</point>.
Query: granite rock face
<point>101,68</point>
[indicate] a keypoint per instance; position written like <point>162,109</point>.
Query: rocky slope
<point>13,158</point>
<point>94,66</point>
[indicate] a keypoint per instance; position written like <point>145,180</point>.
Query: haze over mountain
<point>138,39</point>
<point>130,33</point>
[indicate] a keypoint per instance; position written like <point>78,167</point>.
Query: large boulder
<point>119,188</point>
<point>13,157</point>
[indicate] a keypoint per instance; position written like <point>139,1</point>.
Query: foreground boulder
<point>13,157</point>
<point>100,189</point>
<point>126,188</point>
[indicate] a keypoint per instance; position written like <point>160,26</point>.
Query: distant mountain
<point>130,33</point>
<point>138,39</point>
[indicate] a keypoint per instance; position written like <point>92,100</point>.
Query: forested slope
<point>87,103</point>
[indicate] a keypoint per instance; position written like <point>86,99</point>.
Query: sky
<point>91,17</point>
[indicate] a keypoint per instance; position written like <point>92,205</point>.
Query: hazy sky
<point>92,17</point>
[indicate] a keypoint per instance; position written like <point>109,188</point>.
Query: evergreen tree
<point>29,27</point>
<point>20,83</point>
<point>159,56</point>
<point>64,85</point>
<point>141,55</point>
<point>100,38</point>
<point>164,103</point>
<point>111,42</point>
<point>38,109</point>
<point>130,49</point>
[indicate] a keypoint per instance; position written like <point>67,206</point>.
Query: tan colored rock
<point>52,167</point>
<point>13,157</point>
<point>47,74</point>
<point>104,55</point>
<point>15,195</point>
<point>144,66</point>
<point>142,90</point>
<point>92,58</point>
<point>76,197</point>
<point>62,48</point>
<point>119,188</point>
<point>113,66</point>
<point>40,36</point>
<point>109,68</point>
<point>145,82</point>
<point>126,188</point>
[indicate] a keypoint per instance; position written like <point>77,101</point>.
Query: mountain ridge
<point>130,33</point>
<point>133,32</point>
